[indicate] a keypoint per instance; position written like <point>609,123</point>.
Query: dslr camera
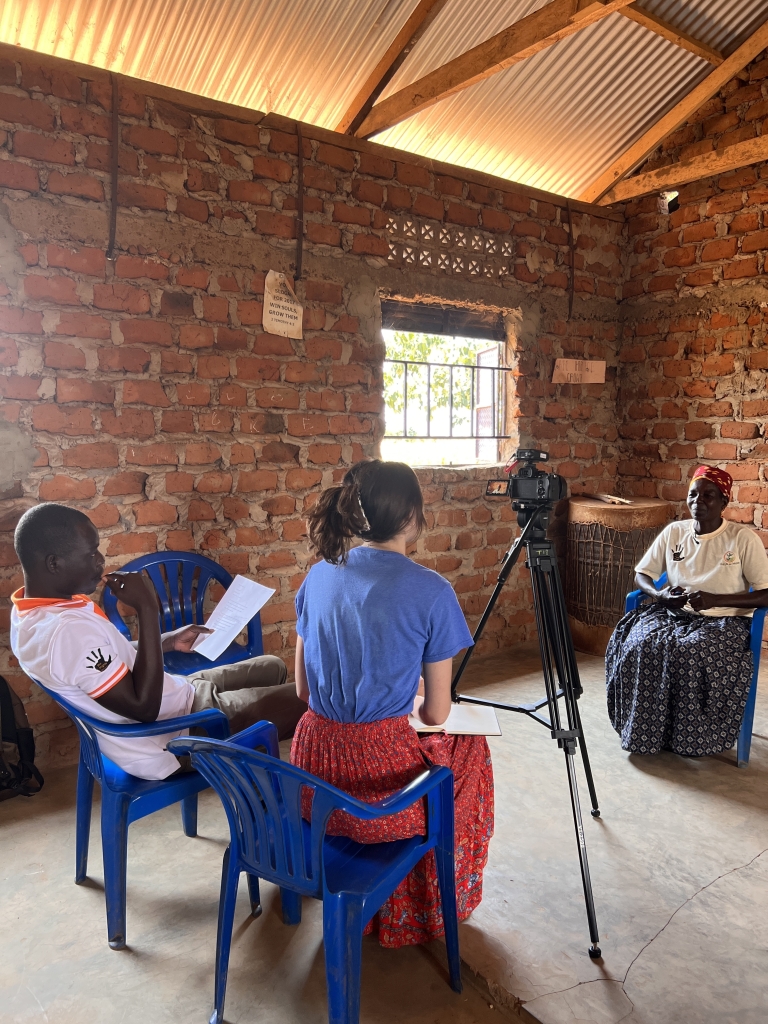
<point>529,488</point>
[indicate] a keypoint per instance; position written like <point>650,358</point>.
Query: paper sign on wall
<point>579,371</point>
<point>282,310</point>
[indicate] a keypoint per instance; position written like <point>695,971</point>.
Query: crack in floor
<point>622,982</point>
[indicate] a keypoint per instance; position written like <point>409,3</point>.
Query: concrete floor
<point>679,863</point>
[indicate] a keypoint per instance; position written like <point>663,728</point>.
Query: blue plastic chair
<point>125,798</point>
<point>174,575</point>
<point>744,742</point>
<point>271,840</point>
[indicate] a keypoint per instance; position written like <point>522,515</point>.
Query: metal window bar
<point>459,400</point>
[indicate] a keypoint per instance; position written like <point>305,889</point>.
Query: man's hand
<point>700,599</point>
<point>672,597</point>
<point>132,589</point>
<point>182,639</point>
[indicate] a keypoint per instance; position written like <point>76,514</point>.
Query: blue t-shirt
<point>368,626</point>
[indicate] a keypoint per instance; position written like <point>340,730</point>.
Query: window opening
<point>444,392</point>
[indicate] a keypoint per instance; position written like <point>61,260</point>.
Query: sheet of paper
<point>283,312</point>
<point>464,720</point>
<point>579,371</point>
<point>242,599</point>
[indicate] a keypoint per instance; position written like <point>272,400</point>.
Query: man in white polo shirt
<point>66,642</point>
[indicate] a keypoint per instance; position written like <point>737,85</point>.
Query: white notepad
<point>241,600</point>
<point>464,720</point>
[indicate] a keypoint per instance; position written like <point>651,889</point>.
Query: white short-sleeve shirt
<point>71,647</point>
<point>729,560</point>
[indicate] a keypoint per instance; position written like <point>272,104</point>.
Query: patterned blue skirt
<point>678,681</point>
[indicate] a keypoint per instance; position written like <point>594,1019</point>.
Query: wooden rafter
<point>674,35</point>
<point>704,91</point>
<point>423,15</point>
<point>524,38</point>
<point>663,179</point>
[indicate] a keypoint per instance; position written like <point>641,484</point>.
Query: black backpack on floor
<point>18,774</point>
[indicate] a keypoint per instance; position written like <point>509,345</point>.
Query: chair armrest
<point>636,598</point>
<point>213,721</point>
<point>261,734</point>
<point>420,787</point>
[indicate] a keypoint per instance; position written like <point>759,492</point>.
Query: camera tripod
<point>561,674</point>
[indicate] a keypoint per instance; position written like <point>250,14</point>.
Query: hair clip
<point>366,524</point>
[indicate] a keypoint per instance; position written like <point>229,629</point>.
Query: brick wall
<point>694,355</point>
<point>145,391</point>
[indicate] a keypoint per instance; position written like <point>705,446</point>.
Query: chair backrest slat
<point>262,798</point>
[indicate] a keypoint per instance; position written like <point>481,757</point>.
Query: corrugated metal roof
<point>555,121</point>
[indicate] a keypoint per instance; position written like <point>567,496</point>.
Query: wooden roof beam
<point>673,35</point>
<point>423,15</point>
<point>680,113</point>
<point>664,179</point>
<point>558,20</point>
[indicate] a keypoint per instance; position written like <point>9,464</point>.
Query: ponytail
<point>375,501</point>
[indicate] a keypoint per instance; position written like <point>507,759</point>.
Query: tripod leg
<point>586,881</point>
<point>595,812</point>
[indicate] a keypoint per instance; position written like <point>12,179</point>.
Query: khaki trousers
<point>249,691</point>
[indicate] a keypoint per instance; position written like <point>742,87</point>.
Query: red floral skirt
<point>372,760</point>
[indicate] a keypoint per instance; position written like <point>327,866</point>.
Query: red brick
<point>322,234</point>
<point>155,513</point>
<point>234,131</point>
<point>258,480</point>
<point>25,111</point>
<point>320,179</point>
<point>105,514</point>
<point>24,389</point>
<point>192,208</point>
<point>460,214</point>
<point>718,366</point>
<point>215,308</point>
<point>69,389</point>
<point>130,360</point>
<point>493,220</point>
<point>743,431</point>
<point>195,336</point>
<point>218,482</point>
<point>84,122</point>
<point>135,266</point>
<point>52,289</point>
<point>368,192</point>
<point>145,197</point>
<point>364,244</point>
<point>193,394</point>
<point>398,198</point>
<point>277,398</point>
<point>346,214</point>
<point>144,392</point>
<point>20,321</point>
<point>146,332</point>
<point>131,543</point>
<point>193,277</point>
<point>213,366</point>
<point>131,423</point>
<point>72,422</point>
<point>121,297</point>
<point>101,455</point>
<point>741,268</point>
<point>428,206</point>
<point>40,147</point>
<point>682,257</point>
<point>151,455</point>
<point>151,140</point>
<point>99,158</point>
<point>755,241</point>
<point>249,192</point>
<point>83,185</point>
<point>274,170</point>
<point>81,260</point>
<point>334,156</point>
<point>64,488</point>
<point>268,223</point>
<point>63,357</point>
<point>124,483</point>
<point>713,450</point>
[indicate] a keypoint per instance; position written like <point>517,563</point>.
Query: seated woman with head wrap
<point>678,670</point>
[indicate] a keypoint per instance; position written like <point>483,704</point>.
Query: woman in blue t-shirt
<point>376,637</point>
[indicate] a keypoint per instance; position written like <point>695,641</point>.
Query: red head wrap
<point>722,480</point>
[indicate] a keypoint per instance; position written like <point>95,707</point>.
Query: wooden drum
<point>605,543</point>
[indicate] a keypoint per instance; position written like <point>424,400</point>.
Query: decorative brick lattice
<point>430,245</point>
